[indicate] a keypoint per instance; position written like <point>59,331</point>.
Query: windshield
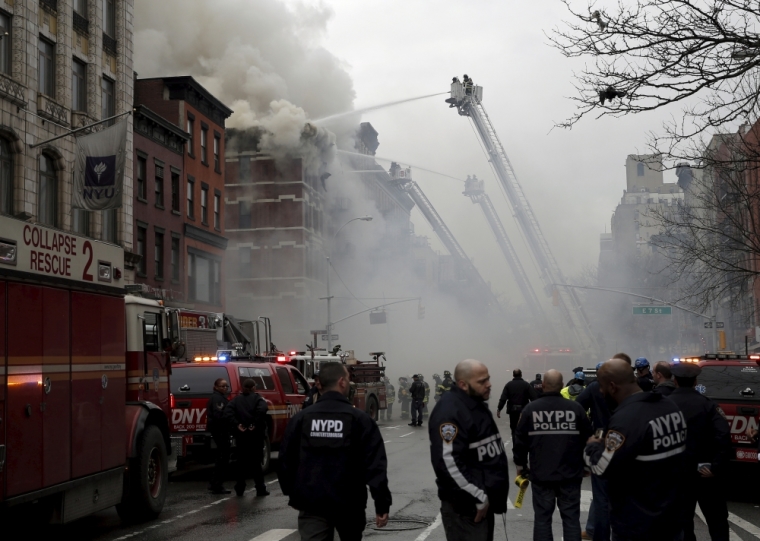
<point>728,382</point>
<point>196,380</point>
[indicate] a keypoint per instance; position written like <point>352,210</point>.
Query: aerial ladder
<point>403,178</point>
<point>467,99</point>
<point>475,190</point>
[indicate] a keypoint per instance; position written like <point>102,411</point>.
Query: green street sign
<point>652,310</point>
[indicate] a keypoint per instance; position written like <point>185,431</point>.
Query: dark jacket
<point>248,410</point>
<point>642,459</point>
<point>311,397</point>
<point>708,438</point>
<point>592,399</point>
<point>516,395</point>
<point>417,390</point>
<point>665,388</point>
<point>329,455</point>
<point>645,382</point>
<point>468,454</point>
<point>215,412</point>
<point>538,387</point>
<point>553,431</point>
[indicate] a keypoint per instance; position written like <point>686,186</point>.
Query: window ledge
<point>51,110</point>
<point>204,163</point>
<point>142,200</point>
<point>141,274</point>
<point>12,91</point>
<point>191,218</point>
<point>160,207</point>
<point>217,170</point>
<point>204,223</point>
<point>158,279</point>
<point>176,213</point>
<point>175,282</point>
<point>217,229</point>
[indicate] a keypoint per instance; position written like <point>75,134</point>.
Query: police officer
<point>468,456</point>
<point>247,413</point>
<point>643,374</point>
<point>444,386</point>
<point>330,453</point>
<point>516,395</point>
<point>390,398</point>
<point>538,386</point>
<point>425,412</point>
<point>403,396</point>
<point>641,455</point>
<point>663,379</point>
<point>553,431</point>
<point>708,449</point>
<point>417,394</point>
<point>220,434</point>
<point>575,386</point>
<point>314,392</point>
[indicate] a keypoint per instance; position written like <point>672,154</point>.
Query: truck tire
<point>266,457</point>
<point>372,408</point>
<point>146,480</point>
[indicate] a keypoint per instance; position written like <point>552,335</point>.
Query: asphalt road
<point>191,513</point>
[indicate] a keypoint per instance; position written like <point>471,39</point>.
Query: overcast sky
<point>395,49</point>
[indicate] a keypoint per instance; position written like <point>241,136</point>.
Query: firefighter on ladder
<point>468,84</point>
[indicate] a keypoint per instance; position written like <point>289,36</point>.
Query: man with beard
<point>641,456</point>
<point>468,456</point>
<point>663,379</point>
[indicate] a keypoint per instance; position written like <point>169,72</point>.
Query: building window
<point>245,262</point>
<point>109,18</point>
<point>244,212</point>
<point>80,6</point>
<point>159,256</point>
<point>217,145</point>
<point>141,266</point>
<point>6,177</point>
<point>5,43</point>
<point>48,202</point>
<point>217,209</point>
<point>204,278</point>
<point>142,167</point>
<point>190,199</point>
<point>78,85</point>
<point>159,186</point>
<point>204,145</point>
<point>175,191</point>
<point>109,225</point>
<point>46,68</point>
<point>190,123</point>
<point>204,205</point>
<point>640,169</point>
<point>244,169</point>
<point>108,103</point>
<point>175,259</point>
<point>80,222</point>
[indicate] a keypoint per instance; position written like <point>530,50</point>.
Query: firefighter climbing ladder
<point>474,189</point>
<point>404,179</point>
<point>470,105</point>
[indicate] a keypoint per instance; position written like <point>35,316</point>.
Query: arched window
<point>6,177</point>
<point>48,202</point>
<point>640,169</point>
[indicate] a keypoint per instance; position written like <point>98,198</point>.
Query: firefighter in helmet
<point>468,84</point>
<point>425,412</point>
<point>443,386</point>
<point>437,379</point>
<point>404,397</point>
<point>390,398</point>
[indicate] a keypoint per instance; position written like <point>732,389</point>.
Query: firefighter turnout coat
<point>468,454</point>
<point>642,458</point>
<point>553,431</point>
<point>329,454</point>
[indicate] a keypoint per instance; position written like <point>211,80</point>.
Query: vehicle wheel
<point>266,457</point>
<point>146,480</point>
<point>372,408</point>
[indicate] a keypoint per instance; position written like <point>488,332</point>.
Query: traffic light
<point>420,312</point>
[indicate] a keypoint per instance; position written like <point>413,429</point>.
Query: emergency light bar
<point>686,359</point>
<point>717,357</point>
<point>208,359</point>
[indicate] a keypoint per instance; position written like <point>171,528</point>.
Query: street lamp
<point>329,297</point>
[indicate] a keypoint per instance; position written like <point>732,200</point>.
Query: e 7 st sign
<point>652,310</point>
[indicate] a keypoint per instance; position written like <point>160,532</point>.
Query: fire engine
<point>84,376</point>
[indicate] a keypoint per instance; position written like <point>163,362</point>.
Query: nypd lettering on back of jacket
<point>642,458</point>
<point>468,454</point>
<point>552,432</point>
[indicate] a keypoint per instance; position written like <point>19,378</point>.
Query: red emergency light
<point>171,400</point>
<point>293,353</point>
<point>282,359</point>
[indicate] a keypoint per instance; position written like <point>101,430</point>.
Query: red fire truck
<point>84,369</point>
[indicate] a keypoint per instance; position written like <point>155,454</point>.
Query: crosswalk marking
<point>424,535</point>
<point>744,525</point>
<point>585,500</point>
<point>732,536</point>
<point>273,535</point>
<point>405,435</point>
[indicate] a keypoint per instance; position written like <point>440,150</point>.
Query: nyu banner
<point>99,169</point>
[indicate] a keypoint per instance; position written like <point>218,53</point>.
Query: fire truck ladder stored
<point>468,102</point>
<point>474,189</point>
<point>403,178</point>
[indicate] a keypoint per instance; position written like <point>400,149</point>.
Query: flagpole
<point>72,132</point>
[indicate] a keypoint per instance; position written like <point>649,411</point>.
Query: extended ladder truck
<point>468,102</point>
<point>403,177</point>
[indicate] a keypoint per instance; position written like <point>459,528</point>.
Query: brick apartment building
<point>63,64</point>
<point>196,197</point>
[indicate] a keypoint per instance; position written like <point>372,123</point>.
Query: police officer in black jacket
<point>538,386</point>
<point>468,456</point>
<point>417,392</point>
<point>313,395</point>
<point>553,432</point>
<point>708,446</point>
<point>516,395</point>
<point>329,454</point>
<point>641,455</point>
<point>247,414</point>
<point>216,424</point>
